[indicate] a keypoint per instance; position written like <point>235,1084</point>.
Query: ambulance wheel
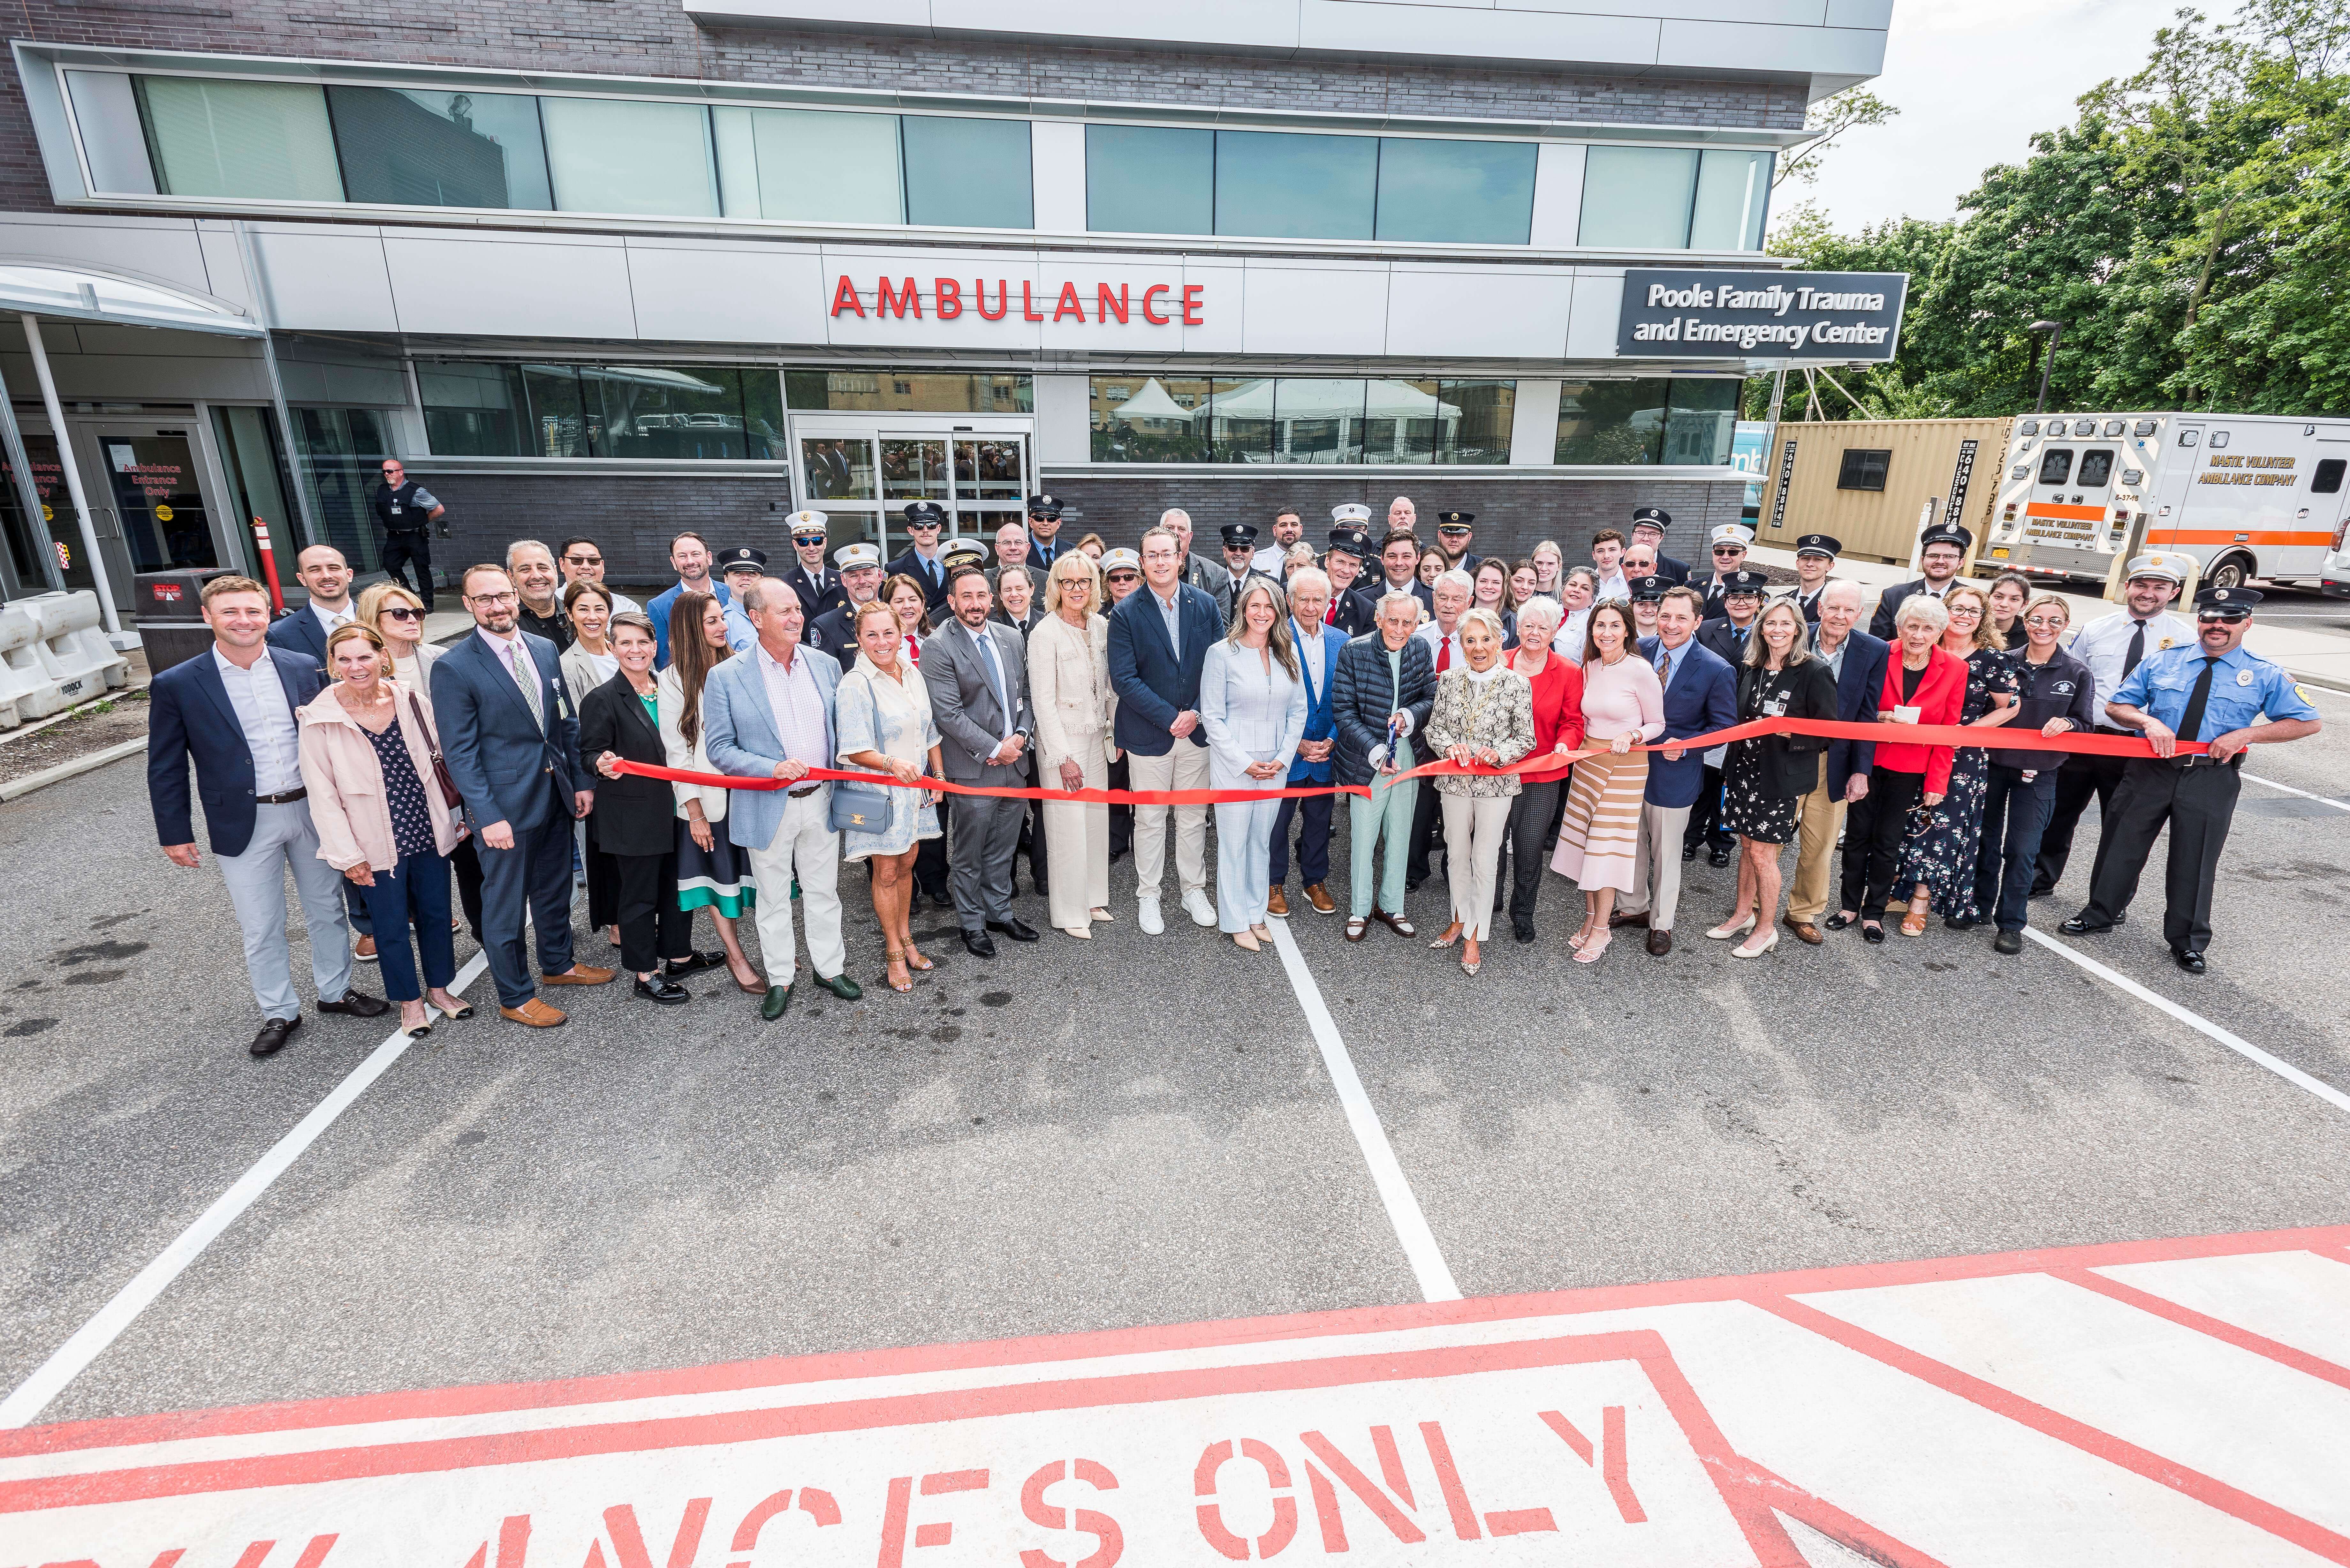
<point>2229,572</point>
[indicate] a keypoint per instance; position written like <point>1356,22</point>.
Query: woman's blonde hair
<point>2052,601</point>
<point>375,595</point>
<point>1758,653</point>
<point>1491,620</point>
<point>872,607</point>
<point>349,629</point>
<point>1077,560</point>
<point>1100,545</point>
<point>1277,639</point>
<point>1986,634</point>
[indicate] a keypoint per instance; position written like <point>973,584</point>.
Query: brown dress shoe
<point>1395,923</point>
<point>1804,931</point>
<point>363,949</point>
<point>580,974</point>
<point>536,1013</point>
<point>1615,919</point>
<point>1356,925</point>
<point>1319,896</point>
<point>1660,943</point>
<point>1277,905</point>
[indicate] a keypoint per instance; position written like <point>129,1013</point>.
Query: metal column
<point>73,475</point>
<point>268,315</point>
<point>28,493</point>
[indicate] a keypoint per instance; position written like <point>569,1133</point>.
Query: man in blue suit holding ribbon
<point>1701,697</point>
<point>1317,648</point>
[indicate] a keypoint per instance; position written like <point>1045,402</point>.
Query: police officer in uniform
<point>2215,690</point>
<point>1728,542</point>
<point>1353,612</point>
<point>819,590</point>
<point>1043,537</point>
<point>1941,551</point>
<point>1823,550</point>
<point>1649,525</point>
<point>923,560</point>
<point>860,577</point>
<point>406,511</point>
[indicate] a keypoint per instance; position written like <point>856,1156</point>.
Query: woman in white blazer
<point>1068,680</point>
<point>1252,706</point>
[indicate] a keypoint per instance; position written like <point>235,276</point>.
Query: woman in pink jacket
<point>367,746</point>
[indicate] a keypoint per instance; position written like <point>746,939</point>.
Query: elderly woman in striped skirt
<point>1623,704</point>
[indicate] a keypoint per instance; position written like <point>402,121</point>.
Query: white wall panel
<point>1247,24</point>
<point>1558,195</point>
<point>1731,45</point>
<point>1598,301</point>
<point>165,249</point>
<point>1876,13</point>
<point>1224,294</point>
<point>1457,32</point>
<point>1004,270</point>
<point>325,278</point>
<point>1534,422</point>
<point>728,294</point>
<point>1136,277</point>
<point>510,286</point>
<point>1056,153</point>
<point>1321,307</point>
<point>1459,312</point>
<point>1795,12</point>
<point>1063,411</point>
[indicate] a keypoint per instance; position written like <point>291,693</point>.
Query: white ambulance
<point>2248,496</point>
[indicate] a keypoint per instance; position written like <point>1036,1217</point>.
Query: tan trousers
<point>1657,860</point>
<point>1819,817</point>
<point>1184,767</point>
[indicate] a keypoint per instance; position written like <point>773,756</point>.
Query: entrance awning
<point>73,293</point>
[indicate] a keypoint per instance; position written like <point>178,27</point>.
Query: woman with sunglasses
<point>2056,695</point>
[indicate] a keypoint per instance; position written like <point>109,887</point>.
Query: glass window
<point>809,165</point>
<point>440,148</point>
<point>968,173</point>
<point>1611,422</point>
<point>559,418</point>
<point>667,411</point>
<point>838,468</point>
<point>342,452</point>
<point>2055,465</point>
<point>1286,186</point>
<point>1864,467</point>
<point>1477,431</point>
<point>1320,421</point>
<point>2096,468</point>
<point>1467,193</point>
<point>763,415</point>
<point>1240,420</point>
<point>1150,180</point>
<point>106,112</point>
<point>1701,421</point>
<point>1149,419</point>
<point>1733,191</point>
<point>473,410</point>
<point>615,155</point>
<point>153,481</point>
<point>2328,478</point>
<point>910,392</point>
<point>265,139</point>
<point>1637,197</point>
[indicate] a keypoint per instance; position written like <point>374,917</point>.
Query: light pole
<point>2055,329</point>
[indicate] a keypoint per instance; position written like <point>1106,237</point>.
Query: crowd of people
<point>381,768</point>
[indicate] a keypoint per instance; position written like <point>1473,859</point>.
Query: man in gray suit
<point>767,713</point>
<point>977,672</point>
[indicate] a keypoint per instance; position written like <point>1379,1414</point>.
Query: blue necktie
<point>994,674</point>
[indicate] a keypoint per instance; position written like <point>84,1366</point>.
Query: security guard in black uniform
<point>406,511</point>
<point>2216,691</point>
<point>1353,612</point>
<point>1656,520</point>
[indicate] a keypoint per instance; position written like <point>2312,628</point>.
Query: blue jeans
<point>418,887</point>
<point>2015,813</point>
<point>1243,846</point>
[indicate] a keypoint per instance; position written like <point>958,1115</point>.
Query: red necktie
<point>1443,655</point>
<point>1330,615</point>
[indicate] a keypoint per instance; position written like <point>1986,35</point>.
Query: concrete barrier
<point>70,647</point>
<point>20,675</point>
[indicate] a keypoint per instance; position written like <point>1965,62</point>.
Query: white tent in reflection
<point>1151,409</point>
<point>1317,420</point>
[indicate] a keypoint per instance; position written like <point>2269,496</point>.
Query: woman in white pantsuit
<point>1252,706</point>
<point>1068,680</point>
<point>1484,713</point>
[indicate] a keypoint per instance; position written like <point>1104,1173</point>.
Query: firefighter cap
<point>2172,568</point>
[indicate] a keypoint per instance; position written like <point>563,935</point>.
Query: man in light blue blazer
<point>510,738</point>
<point>1317,647</point>
<point>767,713</point>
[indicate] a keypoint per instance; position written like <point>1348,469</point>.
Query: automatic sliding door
<point>839,476</point>
<point>990,482</point>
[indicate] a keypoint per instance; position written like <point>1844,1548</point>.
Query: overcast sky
<point>1973,78</point>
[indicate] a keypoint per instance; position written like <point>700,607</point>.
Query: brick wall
<point>634,519</point>
<point>654,37</point>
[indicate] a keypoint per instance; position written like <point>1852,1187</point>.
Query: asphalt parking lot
<point>1141,1131</point>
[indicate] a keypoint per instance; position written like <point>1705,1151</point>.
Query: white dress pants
<point>1475,827</point>
<point>806,846</point>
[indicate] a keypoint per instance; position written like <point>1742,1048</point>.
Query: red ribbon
<point>1997,738</point>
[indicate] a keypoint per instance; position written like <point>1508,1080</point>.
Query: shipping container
<point>1873,483</point>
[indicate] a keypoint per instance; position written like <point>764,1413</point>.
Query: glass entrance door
<point>865,477</point>
<point>150,477</point>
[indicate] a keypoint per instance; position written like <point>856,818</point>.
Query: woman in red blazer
<point>1923,685</point>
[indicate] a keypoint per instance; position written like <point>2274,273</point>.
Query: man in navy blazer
<point>1858,659</point>
<point>1318,646</point>
<point>1701,697</point>
<point>232,712</point>
<point>1159,639</point>
<point>510,738</point>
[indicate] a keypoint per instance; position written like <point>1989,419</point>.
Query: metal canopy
<point>76,294</point>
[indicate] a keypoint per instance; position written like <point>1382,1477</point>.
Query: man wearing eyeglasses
<point>406,511</point>
<point>1729,542</point>
<point>1649,525</point>
<point>1121,576</point>
<point>583,562</point>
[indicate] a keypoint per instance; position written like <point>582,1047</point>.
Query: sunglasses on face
<point>401,612</point>
<point>1729,549</point>
<point>1454,532</point>
<point>2043,620</point>
<point>1126,577</point>
<point>584,560</point>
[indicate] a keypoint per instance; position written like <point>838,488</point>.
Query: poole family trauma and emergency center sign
<point>1680,313</point>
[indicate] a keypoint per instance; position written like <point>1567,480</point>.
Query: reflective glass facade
<point>910,392</point>
<point>481,409</point>
<point>1299,418</point>
<point>1682,421</point>
<point>1675,198</point>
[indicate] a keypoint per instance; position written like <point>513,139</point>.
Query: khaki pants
<point>805,846</point>
<point>1657,860</point>
<point>1819,817</point>
<point>1184,767</point>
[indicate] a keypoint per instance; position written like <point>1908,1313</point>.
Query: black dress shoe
<point>1716,856</point>
<point>2189,960</point>
<point>979,944</point>
<point>1117,853</point>
<point>358,1004</point>
<point>273,1034</point>
<point>664,990</point>
<point>1838,922</point>
<point>1688,853</point>
<point>1018,930</point>
<point>693,963</point>
<point>1414,884</point>
<point>2081,924</point>
<point>2122,918</point>
<point>2007,942</point>
<point>1523,929</point>
<point>1960,922</point>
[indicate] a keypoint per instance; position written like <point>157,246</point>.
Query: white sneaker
<point>1196,905</point>
<point>1148,918</point>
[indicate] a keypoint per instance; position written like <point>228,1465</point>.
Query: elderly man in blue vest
<point>1317,648</point>
<point>767,713</point>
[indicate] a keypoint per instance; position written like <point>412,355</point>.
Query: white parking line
<point>2201,1025</point>
<point>2320,799</point>
<point>49,1380</point>
<point>1428,1265</point>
